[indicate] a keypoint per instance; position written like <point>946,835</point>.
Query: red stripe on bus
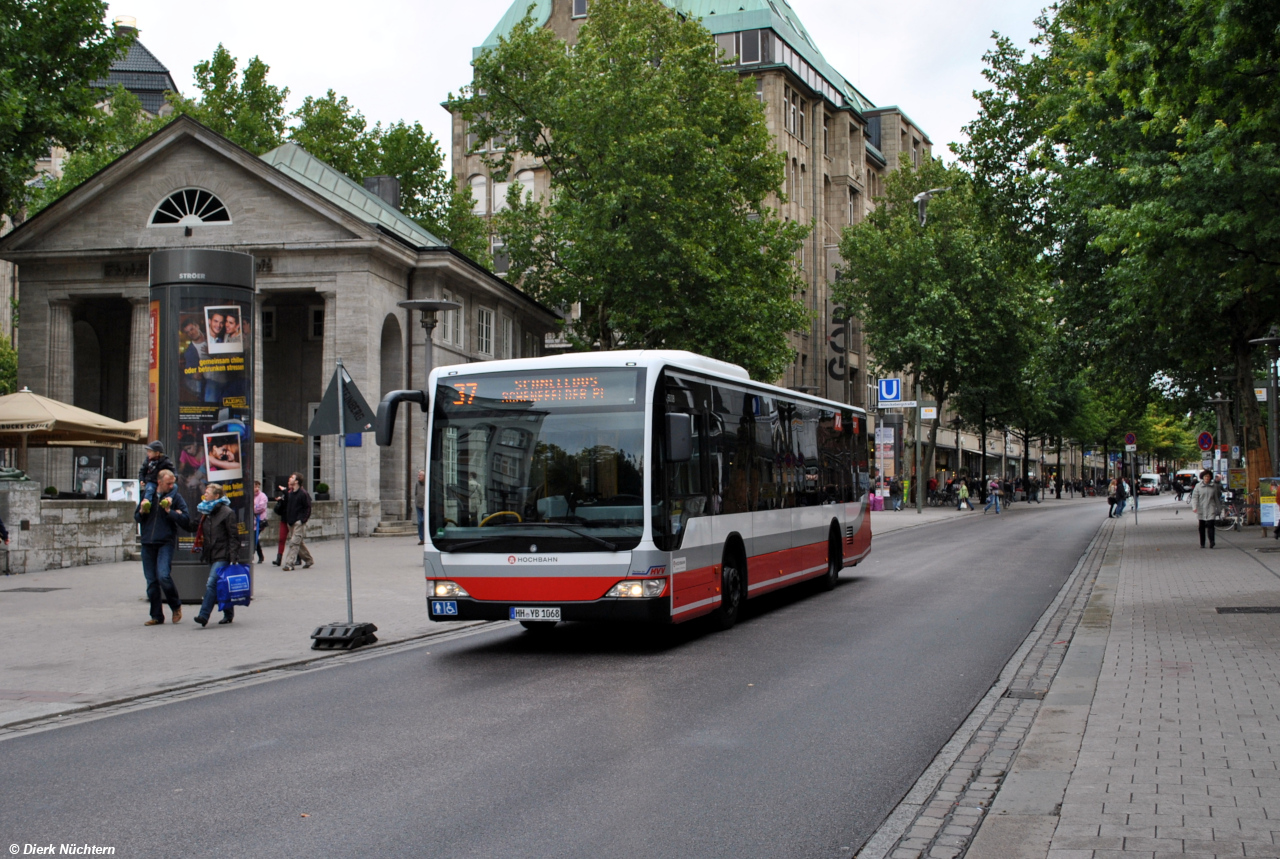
<point>763,569</point>
<point>536,589</point>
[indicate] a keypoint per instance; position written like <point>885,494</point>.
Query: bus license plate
<point>519,613</point>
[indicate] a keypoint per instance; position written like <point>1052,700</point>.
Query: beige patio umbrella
<point>30,420</point>
<point>262,432</point>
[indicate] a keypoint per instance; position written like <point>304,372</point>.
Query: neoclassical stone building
<point>333,258</point>
<point>838,146</point>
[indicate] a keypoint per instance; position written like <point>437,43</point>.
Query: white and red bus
<point>653,486</point>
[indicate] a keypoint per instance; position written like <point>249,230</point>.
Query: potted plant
<point>49,492</point>
<point>322,492</point>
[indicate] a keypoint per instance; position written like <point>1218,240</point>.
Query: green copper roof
<point>295,162</point>
<point>718,16</point>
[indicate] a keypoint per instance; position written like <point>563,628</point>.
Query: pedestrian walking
<point>160,517</point>
<point>895,494</point>
<point>259,517</point>
<point>297,512</point>
<point>281,509</point>
<point>964,497</point>
<point>1206,501</point>
<point>1111,498</point>
<point>420,503</point>
<point>994,491</point>
<point>219,540</point>
<point>1122,495</point>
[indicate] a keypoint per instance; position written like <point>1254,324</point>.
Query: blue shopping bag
<point>233,586</point>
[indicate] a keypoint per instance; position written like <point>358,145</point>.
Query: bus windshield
<point>538,461</point>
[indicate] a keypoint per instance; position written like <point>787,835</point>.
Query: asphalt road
<point>794,734</point>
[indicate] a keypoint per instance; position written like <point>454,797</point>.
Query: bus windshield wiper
<point>599,541</point>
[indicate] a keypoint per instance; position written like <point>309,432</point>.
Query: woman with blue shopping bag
<point>218,538</point>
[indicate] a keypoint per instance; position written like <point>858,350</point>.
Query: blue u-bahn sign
<point>890,391</point>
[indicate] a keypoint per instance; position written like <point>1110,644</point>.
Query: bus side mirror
<point>679,438</point>
<point>384,426</point>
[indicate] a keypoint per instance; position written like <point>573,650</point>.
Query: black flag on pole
<point>359,417</point>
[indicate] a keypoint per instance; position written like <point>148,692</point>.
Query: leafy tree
<point>122,126</point>
<point>242,107</point>
<point>50,53</point>
<point>950,301</point>
<point>8,367</point>
<point>1139,148</point>
<point>331,129</point>
<point>660,165</point>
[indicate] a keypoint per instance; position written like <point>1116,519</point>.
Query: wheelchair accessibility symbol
<point>890,391</point>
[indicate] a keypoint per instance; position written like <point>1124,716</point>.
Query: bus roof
<point>648,358</point>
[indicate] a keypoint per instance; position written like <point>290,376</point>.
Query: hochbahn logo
<point>532,559</point>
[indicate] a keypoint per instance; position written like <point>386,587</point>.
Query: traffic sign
<point>1130,448</point>
<point>1235,451</point>
<point>891,391</point>
<point>928,413</point>
<point>1205,440</point>
<point>1130,438</point>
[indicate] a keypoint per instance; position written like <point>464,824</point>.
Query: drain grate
<point>32,590</point>
<point>1249,609</point>
<point>1025,694</point>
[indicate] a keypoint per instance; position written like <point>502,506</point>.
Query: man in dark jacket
<point>221,534</point>
<point>160,517</point>
<point>297,512</point>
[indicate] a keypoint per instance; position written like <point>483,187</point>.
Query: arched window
<point>479,194</point>
<point>525,178</point>
<point>189,207</point>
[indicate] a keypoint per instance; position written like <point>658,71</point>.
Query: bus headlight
<point>638,588</point>
<point>450,589</point>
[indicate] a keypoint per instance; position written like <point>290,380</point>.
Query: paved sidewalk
<point>1139,719</point>
<point>885,521</point>
<point>84,643</point>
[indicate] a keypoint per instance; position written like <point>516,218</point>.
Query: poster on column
<point>213,405</point>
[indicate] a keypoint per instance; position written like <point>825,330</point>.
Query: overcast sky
<point>399,60</point>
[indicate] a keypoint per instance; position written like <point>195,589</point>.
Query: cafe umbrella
<point>30,420</point>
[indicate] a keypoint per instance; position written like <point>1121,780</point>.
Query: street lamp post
<point>955,423</point>
<point>1272,341</point>
<point>1218,400</point>
<point>385,426</point>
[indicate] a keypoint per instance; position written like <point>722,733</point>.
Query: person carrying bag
<point>218,539</point>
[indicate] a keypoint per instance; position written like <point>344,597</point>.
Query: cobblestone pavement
<point>1142,721</point>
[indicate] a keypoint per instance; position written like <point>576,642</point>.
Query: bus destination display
<point>589,387</point>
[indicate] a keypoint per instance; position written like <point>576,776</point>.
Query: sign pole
<point>346,520</point>
<point>919,465</point>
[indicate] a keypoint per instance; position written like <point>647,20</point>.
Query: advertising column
<point>201,388</point>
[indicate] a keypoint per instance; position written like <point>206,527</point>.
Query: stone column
<point>139,378</point>
<point>60,385</point>
<point>329,357</point>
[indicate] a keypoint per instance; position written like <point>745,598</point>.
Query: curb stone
<point>941,814</point>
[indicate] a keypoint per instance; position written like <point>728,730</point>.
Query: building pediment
<point>185,186</point>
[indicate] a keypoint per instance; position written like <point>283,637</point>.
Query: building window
<point>826,134</point>
<point>473,139</point>
<point>792,107</point>
<point>501,259</point>
<point>508,337</point>
<point>500,196</point>
<point>801,132</point>
<point>452,333</point>
<point>579,9</point>
<point>760,90</point>
<point>530,346</point>
<point>525,178</point>
<point>915,152</point>
<point>189,207</point>
<point>749,50</point>
<point>484,331</point>
<point>800,186</point>
<point>727,43</point>
<point>268,323</point>
<point>479,196</point>
<point>315,331</point>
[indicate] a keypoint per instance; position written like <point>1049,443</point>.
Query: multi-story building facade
<point>837,144</point>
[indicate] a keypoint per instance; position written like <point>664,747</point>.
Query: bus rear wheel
<point>732,588</point>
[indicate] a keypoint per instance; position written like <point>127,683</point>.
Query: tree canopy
<point>51,51</point>
<point>243,106</point>
<point>660,164</point>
